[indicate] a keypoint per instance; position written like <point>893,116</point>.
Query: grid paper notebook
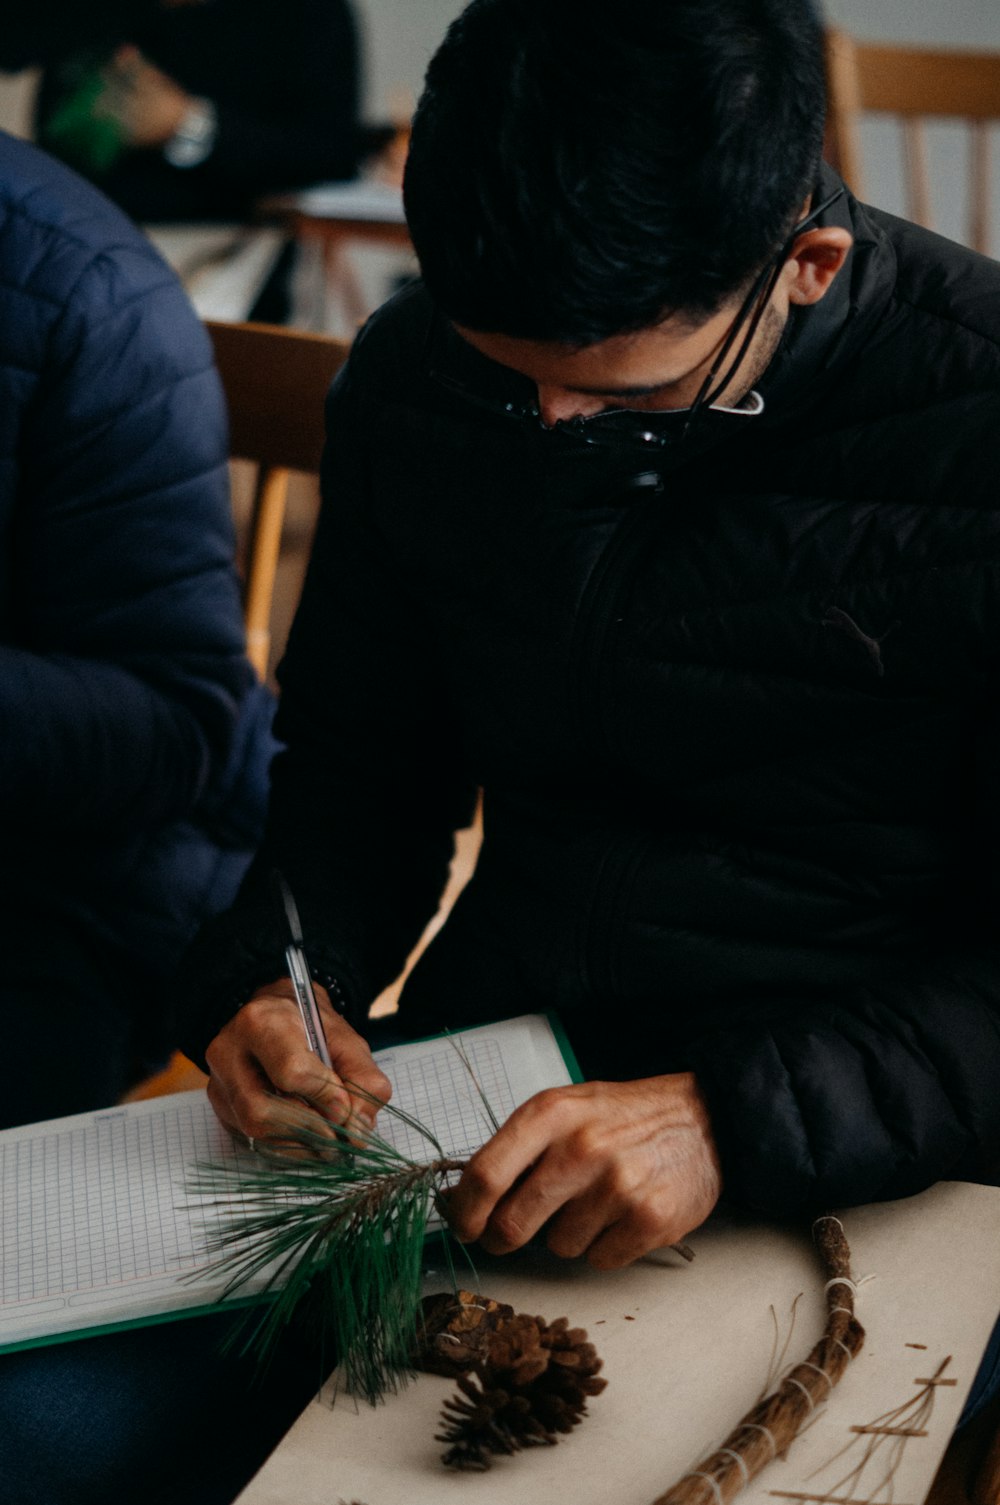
<point>97,1227</point>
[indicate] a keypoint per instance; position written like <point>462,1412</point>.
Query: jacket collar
<point>820,340</point>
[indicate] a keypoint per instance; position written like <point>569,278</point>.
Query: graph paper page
<point>96,1223</point>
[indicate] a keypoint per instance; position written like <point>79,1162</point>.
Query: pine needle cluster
<point>336,1225</point>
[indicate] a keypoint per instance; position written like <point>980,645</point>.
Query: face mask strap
<point>760,294</point>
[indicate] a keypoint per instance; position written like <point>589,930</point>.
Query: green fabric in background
<point>78,133</point>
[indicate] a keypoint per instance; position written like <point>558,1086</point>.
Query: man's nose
<point>561,403</point>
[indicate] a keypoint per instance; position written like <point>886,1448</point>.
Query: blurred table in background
<point>337,225</point>
<point>223,266</point>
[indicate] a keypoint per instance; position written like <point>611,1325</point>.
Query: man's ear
<point>816,258</point>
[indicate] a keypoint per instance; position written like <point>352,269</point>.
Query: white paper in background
<point>510,1061</point>
<point>686,1351</point>
<point>363,199</point>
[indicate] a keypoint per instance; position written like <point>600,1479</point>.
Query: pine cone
<point>532,1384</point>
<point>571,1376</point>
<point>454,1331</point>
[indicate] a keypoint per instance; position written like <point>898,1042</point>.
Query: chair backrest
<point>914,85</point>
<point>275,382</point>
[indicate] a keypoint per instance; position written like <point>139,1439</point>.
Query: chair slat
<point>844,110</point>
<point>914,85</point>
<point>980,187</point>
<point>915,81</point>
<point>276,381</point>
<point>266,528</point>
<point>918,182</point>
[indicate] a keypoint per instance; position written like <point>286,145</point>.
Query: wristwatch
<point>194,137</point>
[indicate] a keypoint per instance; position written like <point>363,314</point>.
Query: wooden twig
<point>768,1430</point>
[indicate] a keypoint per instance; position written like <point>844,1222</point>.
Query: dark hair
<point>583,168</point>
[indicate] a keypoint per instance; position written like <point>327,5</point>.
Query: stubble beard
<point>758,358</point>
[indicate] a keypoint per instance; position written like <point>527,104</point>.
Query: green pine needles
<point>335,1223</point>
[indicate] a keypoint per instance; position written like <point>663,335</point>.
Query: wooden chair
<point>914,84</point>
<point>275,382</point>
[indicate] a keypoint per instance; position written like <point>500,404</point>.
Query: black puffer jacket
<point>734,710</point>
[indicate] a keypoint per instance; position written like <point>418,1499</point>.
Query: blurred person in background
<point>192,109</point>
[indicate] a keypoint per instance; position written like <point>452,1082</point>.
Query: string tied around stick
<point>755,1426</point>
<point>823,1374</point>
<point>791,1380</point>
<point>739,1458</point>
<point>710,1478</point>
<point>842,1280</point>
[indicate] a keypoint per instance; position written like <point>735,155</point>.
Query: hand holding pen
<point>288,1041</point>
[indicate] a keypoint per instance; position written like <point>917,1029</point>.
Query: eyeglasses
<point>663,428</point>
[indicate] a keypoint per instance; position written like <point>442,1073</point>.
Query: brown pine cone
<point>560,1396</point>
<point>532,1384</point>
<point>454,1331</point>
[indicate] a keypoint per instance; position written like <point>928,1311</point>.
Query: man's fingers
<point>580,1223</point>
<point>366,1085</point>
<point>261,1057</point>
<point>608,1170</point>
<point>491,1173</point>
<point>622,1244</point>
<point>557,1179</point>
<point>271,1057</point>
<point>356,1069</point>
<point>220,1104</point>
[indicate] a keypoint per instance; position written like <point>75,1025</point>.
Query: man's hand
<point>613,1168</point>
<point>262,1055</point>
<point>147,105</point>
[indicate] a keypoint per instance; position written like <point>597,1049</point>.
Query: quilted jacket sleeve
<point>873,1099</point>
<point>367,796</point>
<point>121,660</point>
<point>880,1094</point>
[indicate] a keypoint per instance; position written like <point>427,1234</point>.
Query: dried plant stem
<point>769,1429</point>
<point>883,1440</point>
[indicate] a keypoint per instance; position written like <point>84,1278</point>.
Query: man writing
<point>663,511</point>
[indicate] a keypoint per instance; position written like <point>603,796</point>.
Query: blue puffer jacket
<point>134,742</point>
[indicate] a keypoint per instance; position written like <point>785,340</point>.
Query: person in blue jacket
<point>134,747</point>
<point>135,739</point>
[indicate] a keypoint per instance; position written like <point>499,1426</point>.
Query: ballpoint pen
<point>298,971</point>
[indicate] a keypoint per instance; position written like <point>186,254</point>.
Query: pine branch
<point>336,1224</point>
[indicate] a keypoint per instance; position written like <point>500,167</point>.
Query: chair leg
<point>266,529</point>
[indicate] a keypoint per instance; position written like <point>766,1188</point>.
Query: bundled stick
<point>767,1431</point>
